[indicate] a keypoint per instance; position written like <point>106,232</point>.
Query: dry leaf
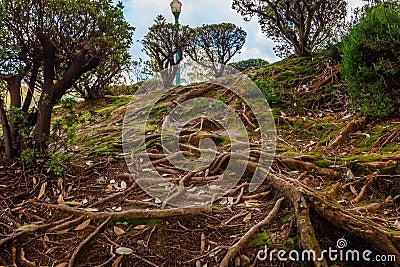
<point>247,218</point>
<point>83,225</point>
<point>124,251</point>
<point>60,198</point>
<point>42,190</point>
<point>72,203</point>
<point>140,227</point>
<point>26,227</point>
<point>397,224</point>
<point>118,231</point>
<point>63,264</point>
<point>117,261</point>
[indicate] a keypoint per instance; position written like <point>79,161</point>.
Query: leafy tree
<point>299,25</point>
<point>141,70</point>
<point>111,70</point>
<point>163,41</point>
<point>217,44</point>
<point>248,63</point>
<point>53,43</point>
<point>371,60</point>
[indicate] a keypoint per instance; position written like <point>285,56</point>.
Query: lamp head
<point>176,6</point>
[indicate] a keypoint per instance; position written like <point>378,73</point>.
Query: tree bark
<point>8,144</point>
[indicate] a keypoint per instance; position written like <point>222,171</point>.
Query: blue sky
<point>141,14</point>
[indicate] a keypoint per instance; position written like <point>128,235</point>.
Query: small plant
<point>55,164</point>
<point>29,156</point>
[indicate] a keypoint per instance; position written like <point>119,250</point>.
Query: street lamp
<point>176,8</point>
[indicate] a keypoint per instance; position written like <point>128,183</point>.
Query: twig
<point>87,240</point>
<point>65,225</point>
<point>146,261</point>
<point>31,230</point>
<point>262,194</point>
<point>234,250</point>
<point>241,214</point>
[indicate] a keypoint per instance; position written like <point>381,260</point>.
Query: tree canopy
<point>301,26</point>
<point>217,44</point>
<point>163,42</point>
<point>53,43</point>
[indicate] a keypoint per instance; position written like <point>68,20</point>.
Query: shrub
<point>371,61</point>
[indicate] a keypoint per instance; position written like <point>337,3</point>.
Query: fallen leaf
<point>25,227</point>
<point>118,231</point>
<point>83,225</point>
<point>60,198</point>
<point>63,264</point>
<point>397,224</point>
<point>90,209</point>
<point>123,251</point>
<point>252,204</point>
<point>247,218</point>
<point>117,261</point>
<point>72,203</point>
<point>140,227</point>
<point>42,190</point>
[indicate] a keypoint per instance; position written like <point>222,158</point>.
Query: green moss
<point>261,239</point>
<point>323,163</point>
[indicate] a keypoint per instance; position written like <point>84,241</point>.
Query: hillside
<point>336,170</point>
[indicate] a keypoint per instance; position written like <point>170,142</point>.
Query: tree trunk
<point>8,142</point>
<point>14,87</point>
<point>43,125</point>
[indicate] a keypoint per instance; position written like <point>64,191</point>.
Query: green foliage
<point>29,156</point>
<point>299,26</point>
<point>117,90</point>
<point>245,64</point>
<point>371,61</point>
<point>56,163</point>
<point>217,44</point>
<point>55,46</point>
<point>162,43</point>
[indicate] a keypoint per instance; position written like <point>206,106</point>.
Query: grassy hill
<point>337,170</point>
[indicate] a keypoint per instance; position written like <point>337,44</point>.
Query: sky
<point>141,14</point>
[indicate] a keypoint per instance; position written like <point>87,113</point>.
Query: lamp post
<point>176,8</point>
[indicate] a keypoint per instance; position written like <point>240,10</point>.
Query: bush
<point>116,90</point>
<point>245,64</point>
<point>371,61</point>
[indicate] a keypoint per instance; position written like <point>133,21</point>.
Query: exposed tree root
<point>87,240</point>
<point>344,134</point>
<point>294,163</point>
<point>304,198</point>
<point>129,214</point>
<point>234,250</point>
<point>384,140</point>
<point>8,239</point>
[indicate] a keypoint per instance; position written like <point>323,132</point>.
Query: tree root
<point>87,240</point>
<point>384,140</point>
<point>304,198</point>
<point>294,163</point>
<point>129,214</point>
<point>8,239</point>
<point>344,134</point>
<point>234,250</point>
